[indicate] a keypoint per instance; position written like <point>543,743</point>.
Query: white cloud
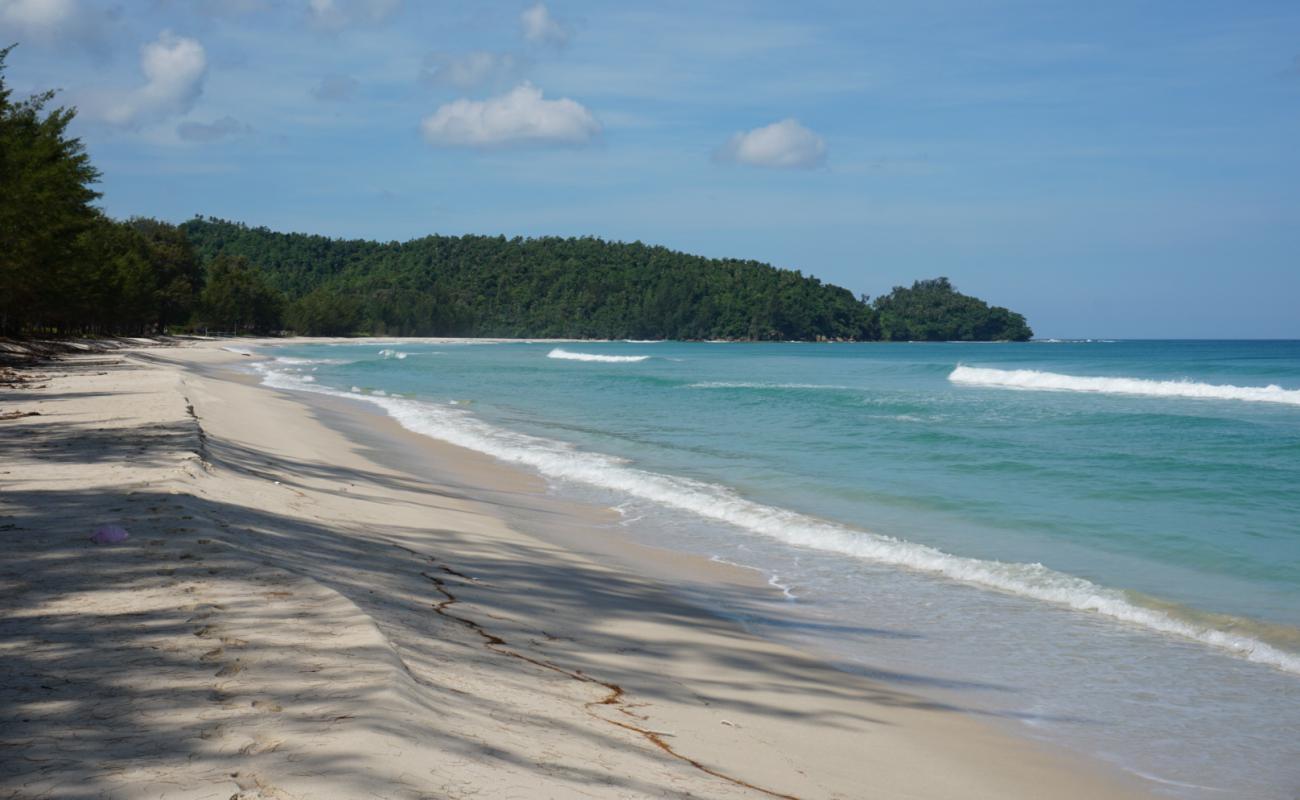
<point>470,70</point>
<point>338,14</point>
<point>520,116</point>
<point>784,144</point>
<point>212,131</point>
<point>174,68</point>
<point>541,28</point>
<point>53,22</point>
<point>38,15</point>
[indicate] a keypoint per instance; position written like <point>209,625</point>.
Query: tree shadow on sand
<point>73,704</point>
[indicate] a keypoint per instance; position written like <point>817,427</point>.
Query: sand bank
<point>303,611</point>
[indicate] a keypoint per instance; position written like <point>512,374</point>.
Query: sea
<point>1095,543</point>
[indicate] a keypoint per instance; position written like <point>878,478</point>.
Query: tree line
<point>579,288</point>
<point>68,269</point>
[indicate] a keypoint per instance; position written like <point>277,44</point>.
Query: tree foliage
<point>238,298</point>
<point>64,266</point>
<point>934,311</point>
<point>324,312</point>
<point>44,204</point>
<point>575,287</point>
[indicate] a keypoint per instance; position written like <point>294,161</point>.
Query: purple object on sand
<point>109,534</point>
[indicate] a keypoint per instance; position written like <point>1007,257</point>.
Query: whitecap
<point>1029,379</point>
<point>568,355</point>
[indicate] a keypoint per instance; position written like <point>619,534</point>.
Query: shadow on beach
<point>88,690</point>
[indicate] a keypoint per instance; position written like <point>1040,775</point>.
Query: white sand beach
<point>294,616</point>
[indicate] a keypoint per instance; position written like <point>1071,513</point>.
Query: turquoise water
<point>1096,541</point>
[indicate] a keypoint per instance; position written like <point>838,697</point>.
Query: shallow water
<point>1098,542</point>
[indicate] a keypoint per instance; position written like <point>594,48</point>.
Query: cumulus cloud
<point>212,131</point>
<point>339,14</point>
<point>336,88</point>
<point>541,28</point>
<point>520,116</point>
<point>470,70</point>
<point>174,68</point>
<point>785,144</point>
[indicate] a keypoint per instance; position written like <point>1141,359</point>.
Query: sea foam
<point>1052,381</point>
<point>569,355</point>
<point>560,460</point>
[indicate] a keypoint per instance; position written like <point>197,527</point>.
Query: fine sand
<point>305,610</point>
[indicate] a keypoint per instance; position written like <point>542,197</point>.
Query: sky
<point>1110,169</point>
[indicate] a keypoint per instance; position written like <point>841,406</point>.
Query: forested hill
<point>547,287</point>
<point>561,287</point>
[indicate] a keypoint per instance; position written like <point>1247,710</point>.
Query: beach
<point>303,611</point>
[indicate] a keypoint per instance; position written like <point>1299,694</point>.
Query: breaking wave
<point>569,355</point>
<point>1053,381</point>
<point>560,460</point>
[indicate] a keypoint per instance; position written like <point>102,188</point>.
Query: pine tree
<point>45,203</point>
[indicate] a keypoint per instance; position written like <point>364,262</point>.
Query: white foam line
<point>775,582</point>
<point>569,355</point>
<point>559,460</point>
<point>1169,782</point>
<point>773,579</point>
<point>1053,381</point>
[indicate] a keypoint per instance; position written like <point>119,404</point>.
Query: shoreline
<point>589,530</point>
<point>489,657</point>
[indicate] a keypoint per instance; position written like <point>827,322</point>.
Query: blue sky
<point>1117,169</point>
